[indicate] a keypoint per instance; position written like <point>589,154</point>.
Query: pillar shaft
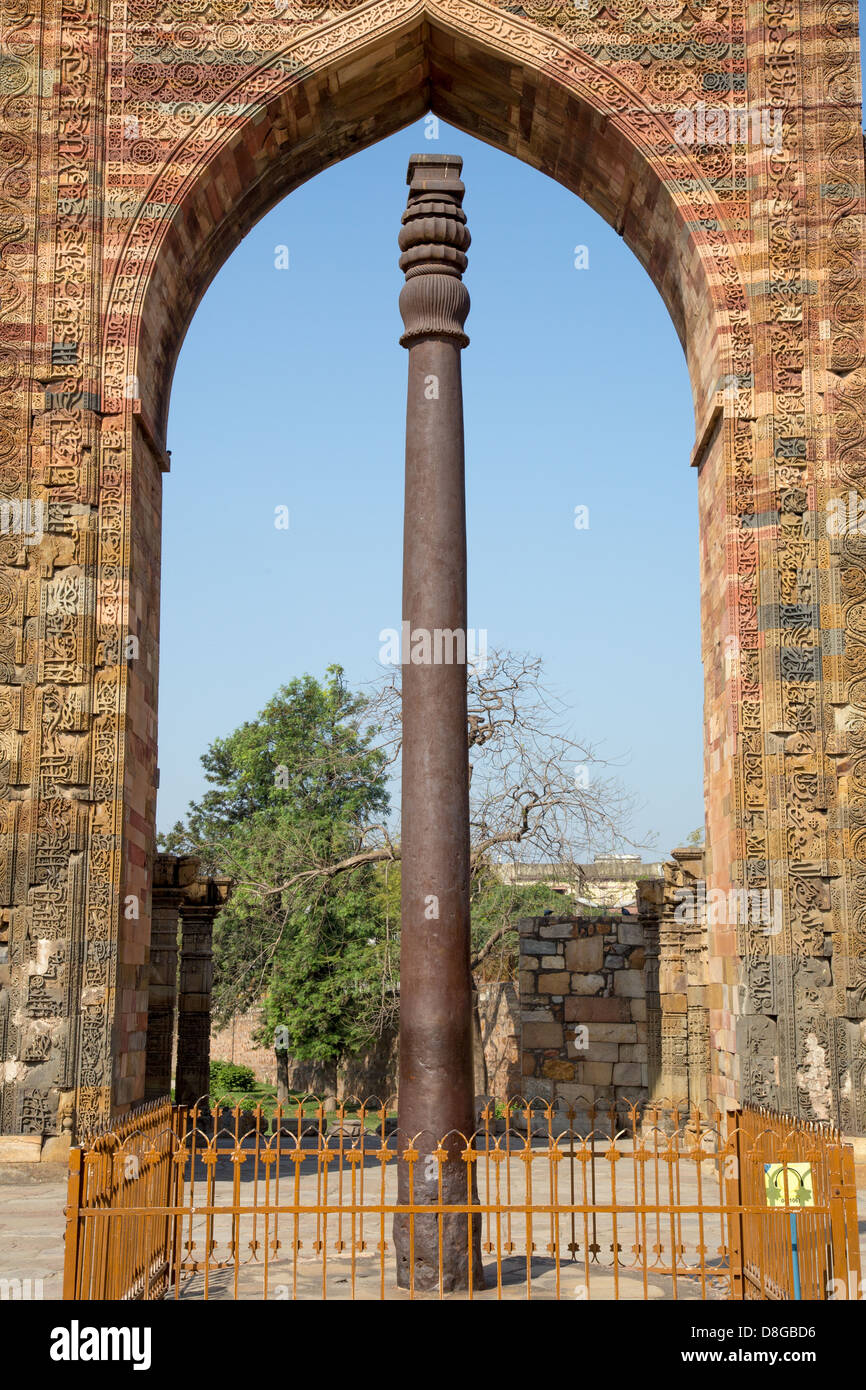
<point>161,994</point>
<point>192,1081</point>
<point>436,1091</point>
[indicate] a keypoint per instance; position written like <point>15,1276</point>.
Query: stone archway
<point>169,128</point>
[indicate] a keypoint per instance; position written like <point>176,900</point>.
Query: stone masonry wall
<point>583,1010</point>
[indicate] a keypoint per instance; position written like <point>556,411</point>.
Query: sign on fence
<point>789,1184</point>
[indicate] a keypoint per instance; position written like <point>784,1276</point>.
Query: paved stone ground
<point>32,1198</point>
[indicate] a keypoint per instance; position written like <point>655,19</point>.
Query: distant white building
<point>609,881</point>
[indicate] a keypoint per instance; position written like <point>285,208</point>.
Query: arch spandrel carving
<point>170,129</point>
<point>657,193</point>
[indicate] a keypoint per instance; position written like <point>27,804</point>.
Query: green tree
<point>293,792</point>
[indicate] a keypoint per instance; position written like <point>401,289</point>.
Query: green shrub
<point>225,1076</point>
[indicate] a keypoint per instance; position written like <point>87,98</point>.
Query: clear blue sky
<point>290,390</point>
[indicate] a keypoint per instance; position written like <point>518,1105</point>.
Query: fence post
<point>734,1204</point>
<point>849,1201</point>
<point>73,1227</point>
<point>166,1186</point>
<point>178,1188</point>
<point>841,1247</point>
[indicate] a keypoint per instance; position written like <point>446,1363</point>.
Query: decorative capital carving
<point>433,240</point>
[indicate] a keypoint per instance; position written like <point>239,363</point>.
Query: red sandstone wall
<point>722,662</point>
<point>140,764</point>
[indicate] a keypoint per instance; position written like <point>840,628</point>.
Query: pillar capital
<point>434,240</point>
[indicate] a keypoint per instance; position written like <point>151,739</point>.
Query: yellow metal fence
<point>660,1202</point>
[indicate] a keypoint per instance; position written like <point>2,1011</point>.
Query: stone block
<point>576,1096</point>
<point>595,1052</point>
<point>558,1070</point>
<point>536,1088</point>
<point>585,954</point>
<point>56,1148</point>
<point>627,1074</point>
<point>587,984</point>
<point>536,1016</point>
<point>595,1073</point>
<point>629,984</point>
<point>554,983</point>
<point>20,1148</point>
<point>630,933</point>
<point>543,1035</point>
<point>613,1032</point>
<point>631,1095</point>
<point>560,931</point>
<point>675,1004</point>
<point>596,1009</point>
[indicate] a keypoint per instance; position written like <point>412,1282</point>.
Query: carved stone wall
<point>673,917</point>
<point>171,876</point>
<point>159,131</point>
<point>180,978</point>
<point>194,988</point>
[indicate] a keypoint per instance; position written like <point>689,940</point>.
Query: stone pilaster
<point>171,876</point>
<point>192,1079</point>
<point>673,914</point>
<point>161,996</point>
<point>650,906</point>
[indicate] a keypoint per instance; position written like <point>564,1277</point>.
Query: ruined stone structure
<point>171,878</point>
<point>672,918</point>
<point>614,1009</point>
<point>583,1011</point>
<point>157,133</point>
<point>184,906</point>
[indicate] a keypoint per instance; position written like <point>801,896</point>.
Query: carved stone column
<point>673,915</point>
<point>436,1090</point>
<point>192,1080</point>
<point>166,897</point>
<point>697,972</point>
<point>650,904</point>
